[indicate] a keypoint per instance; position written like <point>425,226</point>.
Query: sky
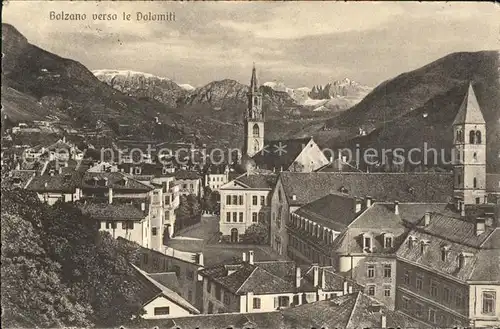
<point>299,43</point>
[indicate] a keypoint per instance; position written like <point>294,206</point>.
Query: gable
<point>233,185</point>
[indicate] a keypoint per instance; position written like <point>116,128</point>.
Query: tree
<point>59,270</point>
<point>257,233</point>
<point>32,292</point>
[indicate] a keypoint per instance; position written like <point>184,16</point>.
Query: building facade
<point>244,202</point>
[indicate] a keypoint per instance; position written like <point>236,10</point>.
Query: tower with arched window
<point>469,143</point>
<point>254,119</point>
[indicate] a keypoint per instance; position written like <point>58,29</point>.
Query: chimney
<point>315,274</point>
<point>323,280</point>
<point>250,257</point>
<point>368,201</point>
<point>143,206</point>
<point>462,210</point>
<point>200,259</point>
<point>59,170</point>
<point>349,290</point>
<point>298,277</point>
<point>244,256</point>
<point>331,159</point>
<point>345,288</point>
<point>383,321</point>
<point>344,158</point>
<point>411,241</point>
<point>131,170</point>
<point>294,197</point>
<point>396,207</point>
<point>480,225</point>
<point>427,218</point>
<point>110,195</point>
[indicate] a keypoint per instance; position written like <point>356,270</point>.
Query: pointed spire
<point>253,82</point>
<point>469,111</point>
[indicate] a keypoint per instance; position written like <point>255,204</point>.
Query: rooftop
<point>404,187</point>
<point>106,211</point>
<point>271,157</point>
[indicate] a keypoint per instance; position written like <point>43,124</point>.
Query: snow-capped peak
<point>126,73</point>
<point>186,86</point>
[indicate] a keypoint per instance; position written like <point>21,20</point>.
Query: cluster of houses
<point>356,249</point>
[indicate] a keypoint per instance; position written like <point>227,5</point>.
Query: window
<point>367,242</point>
<point>235,217</point>
<point>371,290</point>
<point>241,217</point>
<point>234,200</point>
<point>283,301</point>
<point>254,200</point>
<point>387,291</point>
<point>111,225</point>
<point>418,310</point>
<point>261,217</point>
<point>474,182</point>
<point>226,298</point>
<point>434,288</point>
<point>256,303</point>
<point>154,231</point>
<point>128,225</point>
<point>254,217</point>
<point>474,156</point>
<point>458,298</point>
<point>478,137</point>
<point>240,199</point>
<point>371,271</point>
<point>217,292</point>
<point>446,294</point>
<point>407,277</point>
<point>262,200</point>
<point>489,299</point>
<point>406,303</point>
<point>209,287</point>
<point>478,200</point>
<point>472,137</point>
<point>210,307</point>
<point>432,315</point>
<point>162,310</point>
<point>420,282</point>
<point>388,242</point>
<point>444,254</point>
<point>228,216</point>
<point>387,271</point>
<point>255,130</point>
<point>228,199</point>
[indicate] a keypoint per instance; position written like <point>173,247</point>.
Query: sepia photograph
<point>250,165</point>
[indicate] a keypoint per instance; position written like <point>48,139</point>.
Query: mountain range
<point>405,111</point>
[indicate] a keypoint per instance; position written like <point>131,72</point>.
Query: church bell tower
<point>254,119</point>
<point>469,163</point>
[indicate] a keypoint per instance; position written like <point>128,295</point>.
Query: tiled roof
<point>469,111</point>
<point>338,165</point>
<point>168,279</point>
<point>493,183</point>
<point>258,180</point>
<point>334,211</point>
<point>347,311</point>
<point>64,183</point>
<point>271,157</point>
<point>454,229</point>
<point>487,266</point>
<point>115,180</point>
<point>19,178</point>
<point>164,291</point>
<point>266,320</point>
<point>493,241</point>
<point>403,187</point>
<point>431,258</point>
<point>267,277</point>
<point>108,211</point>
<point>185,174</point>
